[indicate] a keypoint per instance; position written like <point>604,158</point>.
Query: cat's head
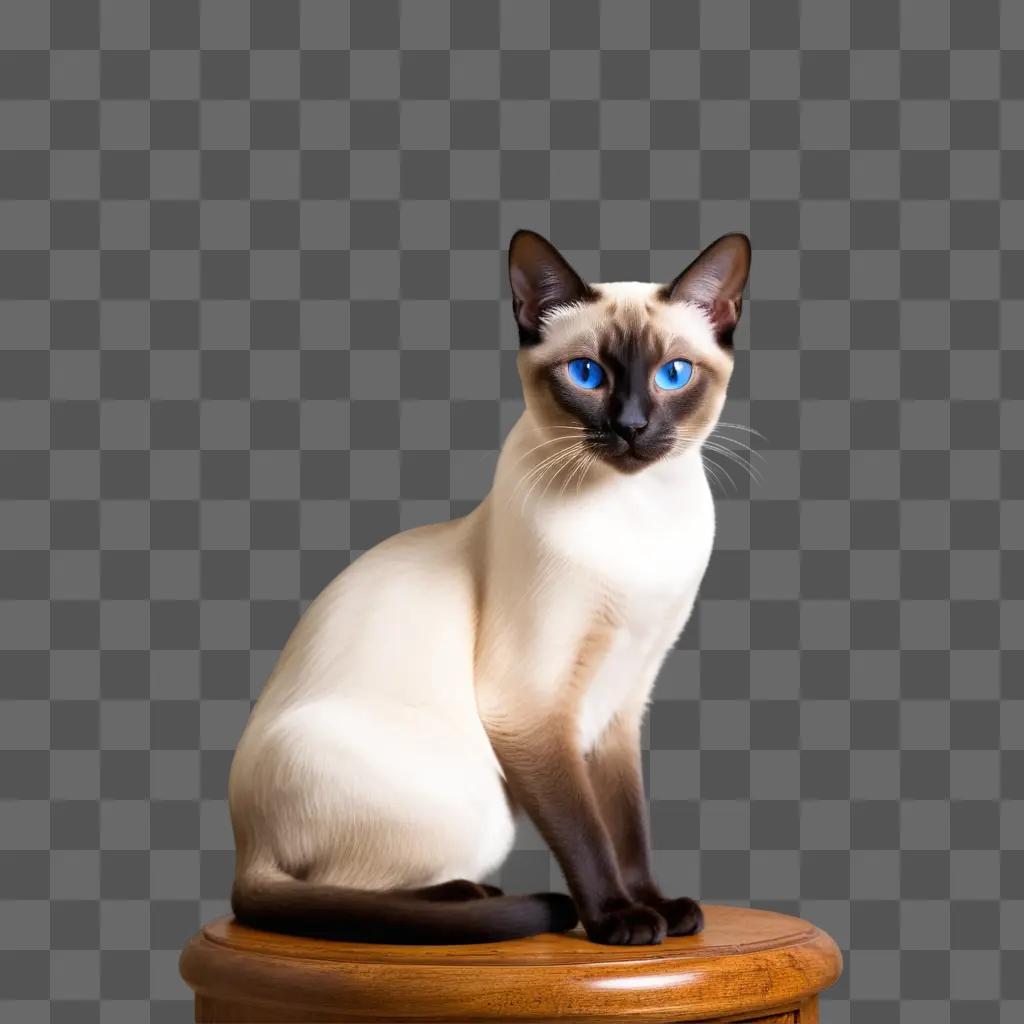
<point>643,368</point>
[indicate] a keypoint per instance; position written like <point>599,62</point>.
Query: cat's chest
<point>648,543</point>
<point>626,670</point>
<point>644,550</point>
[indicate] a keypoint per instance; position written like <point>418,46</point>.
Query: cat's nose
<point>630,429</point>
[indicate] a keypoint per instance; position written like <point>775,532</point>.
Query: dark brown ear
<point>715,280</point>
<point>541,279</point>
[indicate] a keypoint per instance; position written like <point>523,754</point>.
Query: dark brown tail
<point>326,911</point>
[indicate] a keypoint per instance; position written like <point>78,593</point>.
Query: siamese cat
<point>459,673</point>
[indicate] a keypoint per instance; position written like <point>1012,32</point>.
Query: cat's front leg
<point>547,776</point>
<point>616,777</point>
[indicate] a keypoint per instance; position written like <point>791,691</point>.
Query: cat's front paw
<point>631,925</point>
<point>683,916</point>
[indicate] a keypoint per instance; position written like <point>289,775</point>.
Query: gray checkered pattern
<point>254,319</point>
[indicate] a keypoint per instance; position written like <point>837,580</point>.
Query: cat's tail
<point>280,903</point>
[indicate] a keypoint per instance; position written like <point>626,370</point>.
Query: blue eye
<point>585,373</point>
<point>674,375</point>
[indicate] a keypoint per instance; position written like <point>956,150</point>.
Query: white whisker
<point>540,470</point>
<point>552,440</point>
<point>733,457</point>
<point>711,471</point>
<point>708,461</point>
<point>582,463</point>
<point>738,442</point>
<point>591,459</point>
<point>554,469</point>
<point>741,426</point>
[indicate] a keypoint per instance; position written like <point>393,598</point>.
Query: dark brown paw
<point>632,925</point>
<point>683,916</point>
<point>491,890</point>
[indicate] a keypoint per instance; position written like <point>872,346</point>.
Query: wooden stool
<point>747,965</point>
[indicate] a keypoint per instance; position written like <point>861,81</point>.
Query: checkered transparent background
<point>254,319</point>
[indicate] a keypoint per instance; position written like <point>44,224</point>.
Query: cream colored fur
<point>366,761</point>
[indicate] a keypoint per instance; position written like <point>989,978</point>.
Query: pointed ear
<point>541,279</point>
<point>715,280</point>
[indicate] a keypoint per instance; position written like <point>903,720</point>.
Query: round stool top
<point>745,961</point>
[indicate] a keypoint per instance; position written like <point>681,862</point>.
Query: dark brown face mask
<point>630,421</point>
<point>633,393</point>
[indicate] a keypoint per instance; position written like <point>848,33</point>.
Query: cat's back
<point>401,614</point>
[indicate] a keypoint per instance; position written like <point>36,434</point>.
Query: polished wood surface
<point>746,965</point>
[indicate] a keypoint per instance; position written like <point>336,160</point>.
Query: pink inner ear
<point>522,295</point>
<point>527,313</point>
<point>725,313</point>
